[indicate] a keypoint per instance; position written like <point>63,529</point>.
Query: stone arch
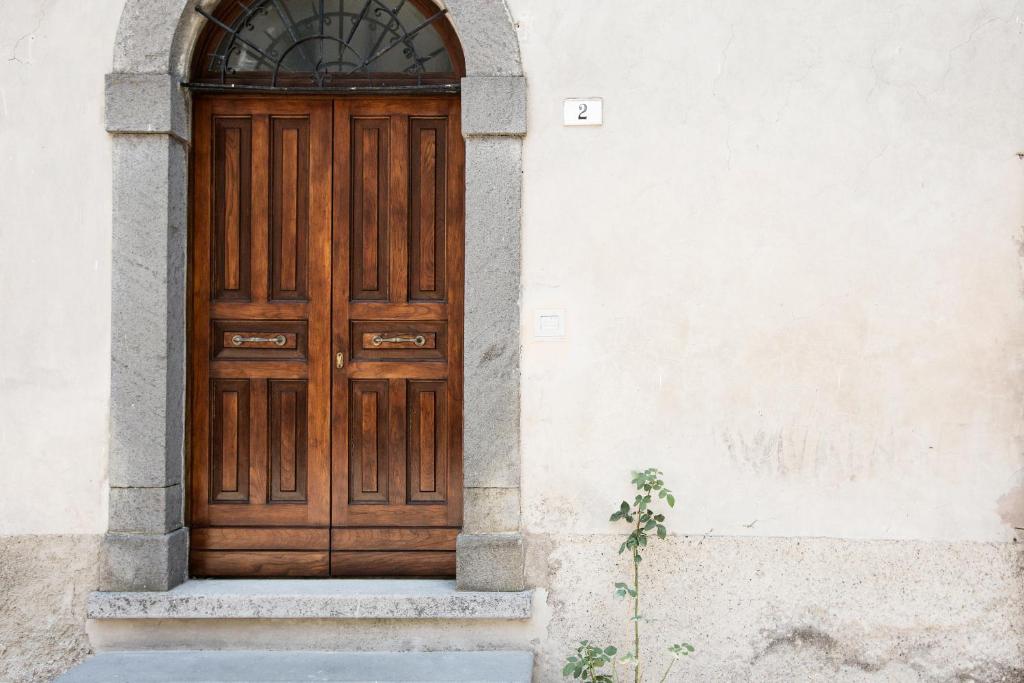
<point>147,113</point>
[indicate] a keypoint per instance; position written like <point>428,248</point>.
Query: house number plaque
<point>583,112</point>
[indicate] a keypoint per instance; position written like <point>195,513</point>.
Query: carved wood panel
<point>229,447</point>
<point>427,200</point>
<point>289,207</point>
<point>368,441</point>
<point>233,207</point>
<point>288,441</point>
<point>370,166</point>
<point>427,441</point>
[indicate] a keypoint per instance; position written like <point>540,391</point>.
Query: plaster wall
<point>44,583</point>
<point>55,246</point>
<point>789,261</point>
<point>54,265</point>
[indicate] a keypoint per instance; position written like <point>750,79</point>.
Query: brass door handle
<point>339,360</point>
<point>279,340</point>
<point>418,340</point>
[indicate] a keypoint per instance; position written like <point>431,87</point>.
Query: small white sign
<point>550,324</point>
<point>588,112</point>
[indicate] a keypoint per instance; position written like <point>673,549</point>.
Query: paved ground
<point>194,666</point>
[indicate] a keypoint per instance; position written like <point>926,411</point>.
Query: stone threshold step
<point>206,666</point>
<point>311,599</point>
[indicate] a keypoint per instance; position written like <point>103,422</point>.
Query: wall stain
<point>810,637</point>
<point>492,353</point>
<point>1010,506</point>
<point>993,674</point>
<point>814,638</point>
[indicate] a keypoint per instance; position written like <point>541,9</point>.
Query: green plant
<point>587,661</point>
<point>590,661</point>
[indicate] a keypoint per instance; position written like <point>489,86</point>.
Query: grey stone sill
<point>311,599</point>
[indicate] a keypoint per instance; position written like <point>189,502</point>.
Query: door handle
<point>339,360</point>
<point>418,340</point>
<point>279,340</point>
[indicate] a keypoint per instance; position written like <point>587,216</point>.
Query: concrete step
<point>195,666</point>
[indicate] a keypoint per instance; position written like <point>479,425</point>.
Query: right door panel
<point>397,325</point>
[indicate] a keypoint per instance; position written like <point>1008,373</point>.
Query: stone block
<point>146,103</point>
<point>488,36</point>
<point>493,247</point>
<point>148,312</point>
<point>491,510</point>
<point>144,562</point>
<point>493,105</point>
<point>490,562</point>
<point>145,510</point>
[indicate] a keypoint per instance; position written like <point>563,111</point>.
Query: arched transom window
<point>327,45</point>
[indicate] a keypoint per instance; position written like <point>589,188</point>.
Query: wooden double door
<point>325,388</point>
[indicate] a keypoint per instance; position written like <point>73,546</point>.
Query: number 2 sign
<point>580,112</point>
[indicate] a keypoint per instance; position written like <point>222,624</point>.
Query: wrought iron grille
<point>326,44</point>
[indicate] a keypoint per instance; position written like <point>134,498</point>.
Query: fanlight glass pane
<point>328,40</point>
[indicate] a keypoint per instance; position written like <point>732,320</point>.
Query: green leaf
<point>610,650</point>
<point>662,532</point>
<point>567,669</point>
<point>671,500</point>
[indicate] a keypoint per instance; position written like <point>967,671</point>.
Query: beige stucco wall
<point>54,301</point>
<point>789,262</point>
<point>54,265</point>
<point>790,265</point>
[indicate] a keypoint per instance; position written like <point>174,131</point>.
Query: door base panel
<point>261,563</point>
<point>258,538</point>
<point>423,563</point>
<point>393,539</point>
<point>302,552</point>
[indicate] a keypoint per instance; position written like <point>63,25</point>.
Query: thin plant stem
<point>666,671</point>
<point>636,604</point>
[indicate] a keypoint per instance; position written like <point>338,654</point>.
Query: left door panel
<point>260,337</point>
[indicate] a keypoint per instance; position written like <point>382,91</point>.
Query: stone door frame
<point>147,114</point>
